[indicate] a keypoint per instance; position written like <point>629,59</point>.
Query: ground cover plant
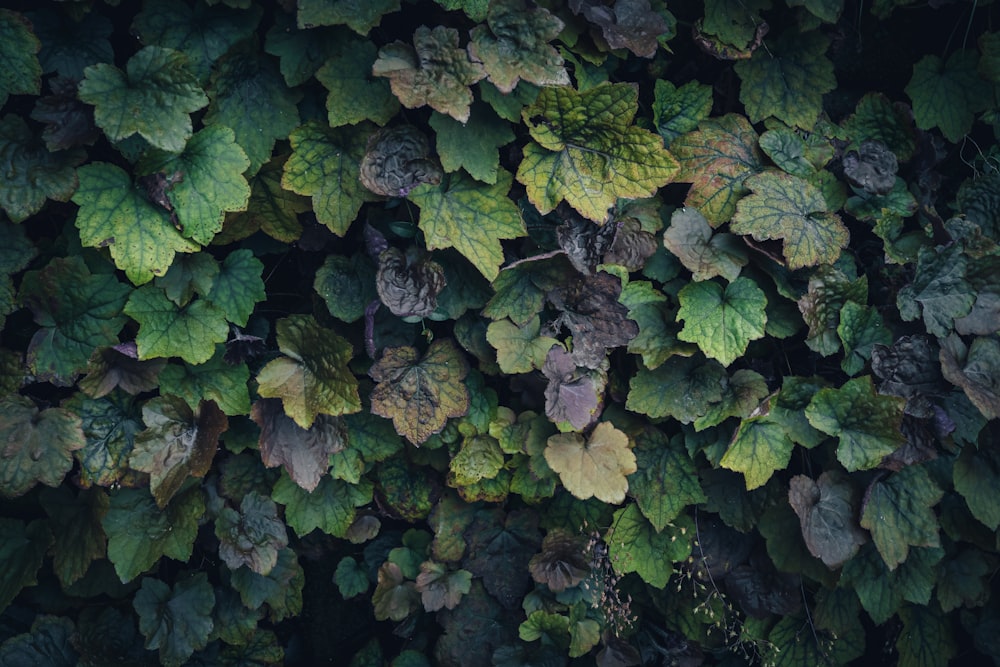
<point>499,333</point>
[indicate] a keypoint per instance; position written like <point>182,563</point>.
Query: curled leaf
<point>408,286</point>
<point>433,72</point>
<point>397,160</point>
<point>872,167</point>
<point>626,24</point>
<point>516,45</point>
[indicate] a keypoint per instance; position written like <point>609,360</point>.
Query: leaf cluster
<point>499,332</point>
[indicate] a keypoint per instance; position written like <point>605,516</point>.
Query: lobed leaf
<point>153,97</point>
<point>588,153</point>
<point>113,212</point>
<point>791,209</point>
<point>716,159</point>
<point>420,394</point>
<point>312,378</point>
<point>722,321</point>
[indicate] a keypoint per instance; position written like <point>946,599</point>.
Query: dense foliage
<point>499,332</point>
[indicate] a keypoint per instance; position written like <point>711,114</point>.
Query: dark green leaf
<point>177,621</point>
<point>898,512</point>
<point>38,444</point>
<point>77,310</point>
<point>152,98</point>
<point>139,532</point>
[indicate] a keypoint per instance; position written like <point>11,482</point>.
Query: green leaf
<point>470,217</point>
<point>788,646</point>
<point>281,589</point>
<point>187,276</point>
<point>252,535</point>
<point>324,165</point>
<point>635,546</point>
<point>882,590</point>
<point>732,21</point>
<point>975,369</point>
<point>722,320</point>
<point>788,151</point>
<point>177,621</point>
<point>829,290</point>
<point>302,51</point>
<point>440,588</point>
<point>420,395</point>
<point>139,532</point>
<point>515,295</point>
<point>827,509</point>
<point>939,291</point>
<point>203,33</point>
<point>239,286</point>
<point>472,145</point>
<point>178,442</point>
<point>898,513</point>
<point>516,46</point>
<point>596,467</point>
<point>165,330</point>
<point>50,642</point>
<point>926,638</point>
<point>716,159</point>
<point>250,97</point>
<point>976,474</point>
<point>211,167</point>
<point>78,311</point>
<point>434,71</point>
<point>793,210</point>
<point>588,152</point>
<point>21,74</point>
<point>744,392</point>
<point>153,97</point>
<point>947,95</point>
<point>479,458</point>
<point>113,212</point>
<point>394,598</point>
<point>32,174</point>
<point>449,519</point>
<point>360,15</point>
<point>76,526</point>
<point>474,9</point>
<point>860,328</point>
<point>353,95</point>
<point>22,550</point>
<point>331,506</point>
<point>551,628</point>
<point>965,580</point>
<point>877,118</point>
<point>696,384</point>
<point>271,208</point>
<point>312,378</point>
<point>347,285</point>
<point>760,446</point>
<point>351,578</point>
<point>519,349</point>
<point>109,427</point>
<point>677,111</point>
<point>665,481</point>
<point>706,255</point>
<point>787,80</point>
<point>305,454</point>
<point>39,445</point>
<point>215,379</point>
<point>866,424</point>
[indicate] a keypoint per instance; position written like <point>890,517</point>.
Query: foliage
<point>500,332</point>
